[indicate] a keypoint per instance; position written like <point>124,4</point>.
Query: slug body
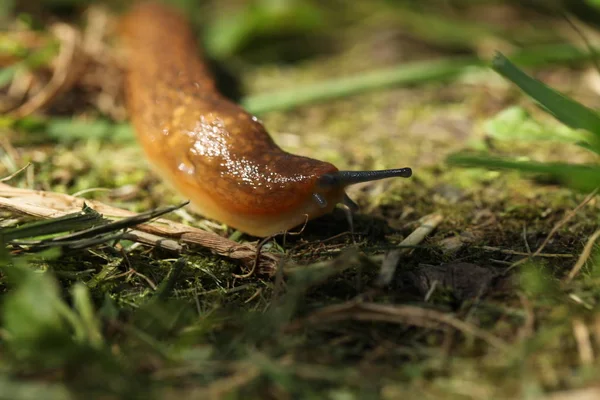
<point>208,148</point>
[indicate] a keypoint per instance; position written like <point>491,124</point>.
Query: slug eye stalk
<point>345,178</point>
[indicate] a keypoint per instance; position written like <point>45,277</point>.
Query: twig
<point>522,253</point>
<point>398,314</point>
<point>388,267</point>
<point>153,240</point>
<point>17,172</point>
<point>431,291</point>
<point>149,281</point>
<point>244,374</point>
<point>585,254</point>
<point>255,295</point>
<point>161,232</point>
<point>525,240</point>
<point>114,226</point>
<point>256,259</point>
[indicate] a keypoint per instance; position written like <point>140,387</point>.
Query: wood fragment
<point>585,255</point>
<point>17,172</point>
<point>390,262</point>
<point>160,232</point>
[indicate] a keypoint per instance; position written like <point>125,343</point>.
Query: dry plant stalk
<point>242,374</point>
<point>161,232</point>
<point>388,267</point>
<point>585,255</point>
<point>68,67</point>
<point>397,314</point>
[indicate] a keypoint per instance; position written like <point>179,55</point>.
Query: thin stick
<point>390,262</point>
<point>17,172</point>
<point>522,253</point>
<point>256,259</point>
<point>161,231</point>
<point>585,254</point>
<point>399,314</point>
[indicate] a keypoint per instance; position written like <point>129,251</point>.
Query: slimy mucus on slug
<point>208,148</point>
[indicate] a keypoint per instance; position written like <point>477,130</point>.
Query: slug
<point>209,149</point>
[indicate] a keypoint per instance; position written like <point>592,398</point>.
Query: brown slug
<point>208,148</point>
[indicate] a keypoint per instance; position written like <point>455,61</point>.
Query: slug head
<point>318,195</point>
<point>329,187</point>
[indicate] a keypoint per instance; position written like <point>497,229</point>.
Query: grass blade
<point>98,234</point>
<point>568,111</point>
<point>406,74</point>
<point>84,219</point>
<point>580,177</point>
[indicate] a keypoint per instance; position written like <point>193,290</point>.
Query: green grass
<point>584,123</point>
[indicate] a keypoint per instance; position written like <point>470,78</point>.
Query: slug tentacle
<point>345,178</point>
<point>348,202</point>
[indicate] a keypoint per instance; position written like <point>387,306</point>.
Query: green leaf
<point>566,110</point>
<point>19,389</point>
<point>87,316</point>
<point>66,129</point>
<point>406,74</point>
<point>7,74</point>
<point>32,316</point>
<point>594,3</point>
<point>537,282</point>
<point>70,222</point>
<point>515,123</point>
<point>263,18</point>
<point>225,35</point>
<point>580,177</point>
